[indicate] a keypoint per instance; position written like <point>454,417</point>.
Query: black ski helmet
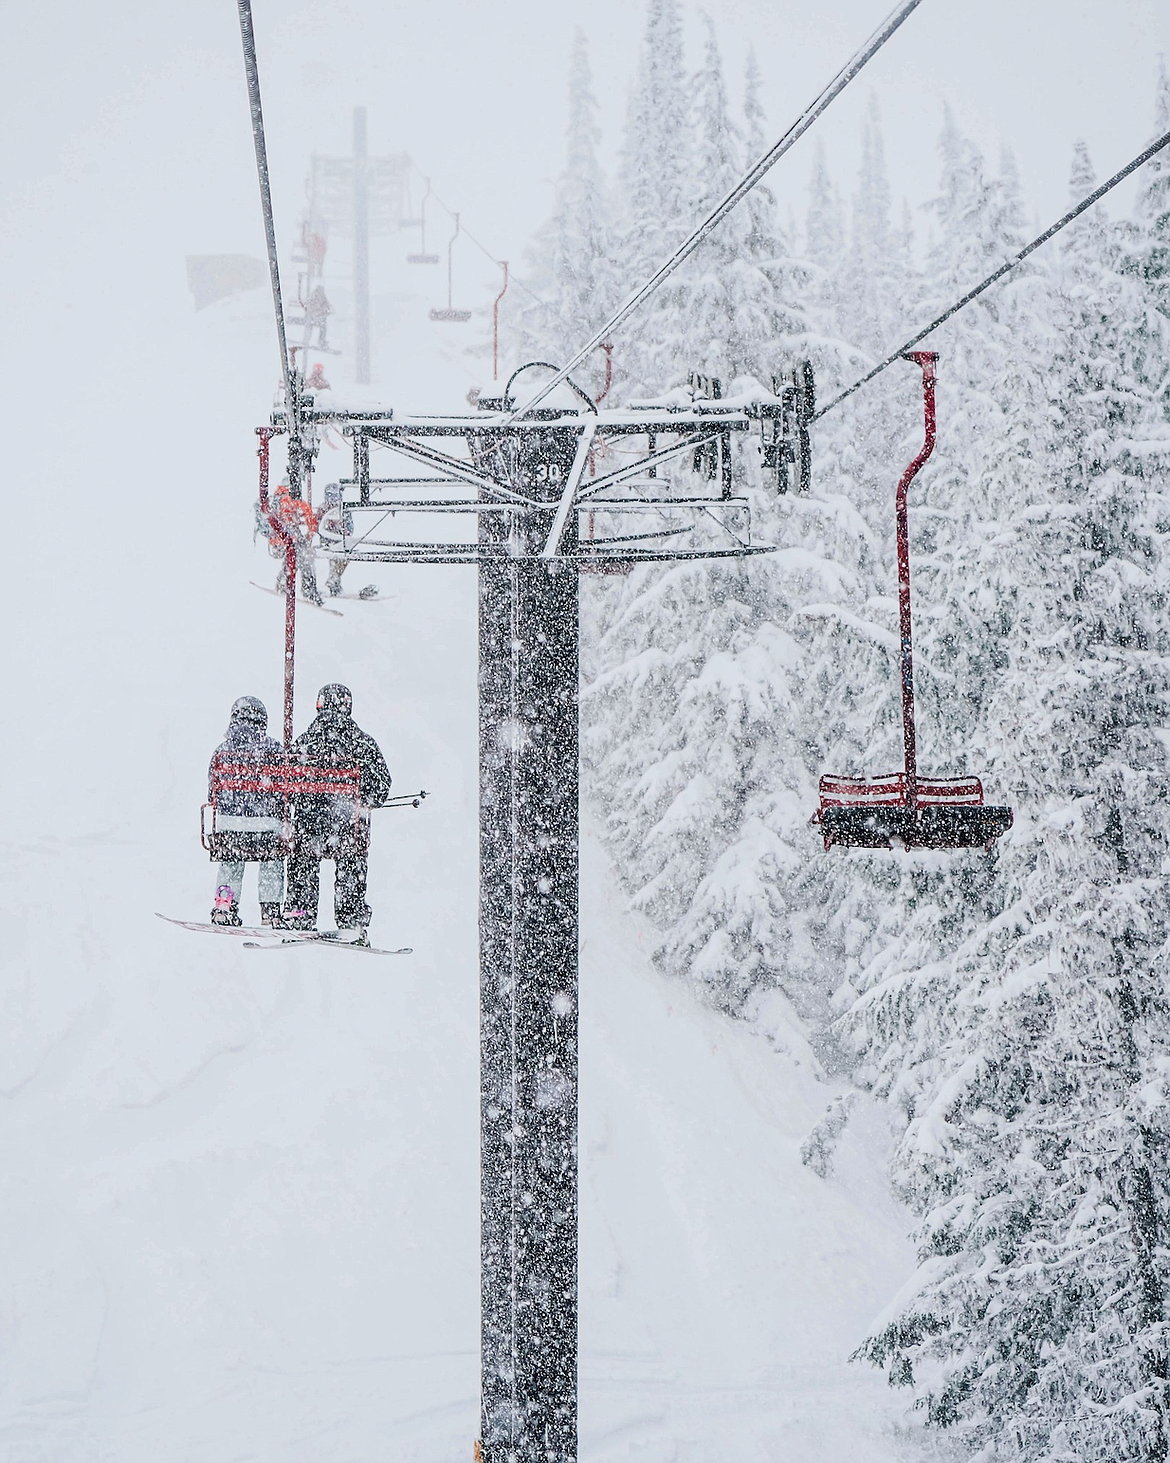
<point>335,698</point>
<point>251,711</point>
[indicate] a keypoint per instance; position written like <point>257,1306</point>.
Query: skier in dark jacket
<point>248,825</point>
<point>324,825</point>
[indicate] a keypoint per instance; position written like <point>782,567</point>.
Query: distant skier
<point>297,516</point>
<point>316,380</point>
<point>336,521</point>
<point>317,313</point>
<point>248,825</point>
<point>324,825</point>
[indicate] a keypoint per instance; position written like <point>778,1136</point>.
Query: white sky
<point>142,153</point>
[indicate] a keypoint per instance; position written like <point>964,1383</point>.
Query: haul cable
<point>741,189</point>
<point>248,38</point>
<point>1003,269</point>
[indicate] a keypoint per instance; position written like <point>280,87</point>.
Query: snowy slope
<point>240,1189</point>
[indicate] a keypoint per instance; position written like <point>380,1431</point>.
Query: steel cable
<point>513,278</point>
<point>248,38</point>
<point>1000,272</point>
<point>741,189</point>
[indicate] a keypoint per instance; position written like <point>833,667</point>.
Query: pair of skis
<point>266,938</point>
<point>327,606</point>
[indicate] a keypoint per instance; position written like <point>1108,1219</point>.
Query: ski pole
<point>406,800</point>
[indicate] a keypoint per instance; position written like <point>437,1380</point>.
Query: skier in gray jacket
<point>248,824</point>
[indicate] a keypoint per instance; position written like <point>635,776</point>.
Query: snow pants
<point>347,843</point>
<point>269,873</point>
<point>306,564</point>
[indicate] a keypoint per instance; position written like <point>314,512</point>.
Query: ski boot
<point>353,928</point>
<point>227,908</point>
<point>351,935</point>
<point>368,591</point>
<point>270,915</point>
<point>333,585</point>
<point>300,919</point>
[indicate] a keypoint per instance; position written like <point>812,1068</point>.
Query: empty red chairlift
<point>451,315</point>
<point>423,257</point>
<point>902,809</point>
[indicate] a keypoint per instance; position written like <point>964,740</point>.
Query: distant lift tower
<point>524,481</point>
<point>360,195</point>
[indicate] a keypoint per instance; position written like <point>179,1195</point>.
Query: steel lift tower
<point>360,195</point>
<point>522,483</point>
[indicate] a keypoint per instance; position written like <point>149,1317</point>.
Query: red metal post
<point>925,360</point>
<point>290,584</point>
<point>607,347</point>
<point>496,323</point>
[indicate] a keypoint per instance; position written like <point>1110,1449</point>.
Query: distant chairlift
<point>450,314</point>
<point>901,809</point>
<point>423,257</point>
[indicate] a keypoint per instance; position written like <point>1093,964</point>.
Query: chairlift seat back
<point>458,317</point>
<point>233,844</point>
<point>422,259</point>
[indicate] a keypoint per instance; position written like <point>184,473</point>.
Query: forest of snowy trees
<point>1013,1009</point>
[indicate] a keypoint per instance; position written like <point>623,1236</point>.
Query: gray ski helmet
<point>250,710</point>
<point>335,698</point>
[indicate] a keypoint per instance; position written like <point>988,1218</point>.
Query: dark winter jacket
<point>335,740</point>
<point>247,744</point>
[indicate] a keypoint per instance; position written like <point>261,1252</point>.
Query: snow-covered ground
<point>240,1189</point>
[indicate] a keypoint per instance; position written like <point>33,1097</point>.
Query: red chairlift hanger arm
<point>607,347</point>
<point>450,264</point>
<point>926,361</point>
<point>290,583</point>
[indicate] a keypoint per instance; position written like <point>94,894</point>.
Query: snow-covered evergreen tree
<point>711,288</point>
<point>1013,1008</point>
<point>572,258</point>
<point>656,179</point>
<point>1153,208</point>
<point>736,301</point>
<point>1026,1031</point>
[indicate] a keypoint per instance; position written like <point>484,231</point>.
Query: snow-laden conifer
<point>571,259</point>
<point>656,185</point>
<point>1026,1034</point>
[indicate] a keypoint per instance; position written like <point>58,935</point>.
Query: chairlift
<point>902,809</point>
<point>450,315</point>
<point>423,257</point>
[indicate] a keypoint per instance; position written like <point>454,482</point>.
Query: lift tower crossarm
<point>442,460</point>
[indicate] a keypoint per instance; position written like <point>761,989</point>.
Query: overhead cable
<point>1003,269</point>
<point>743,187</point>
<point>253,73</point>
